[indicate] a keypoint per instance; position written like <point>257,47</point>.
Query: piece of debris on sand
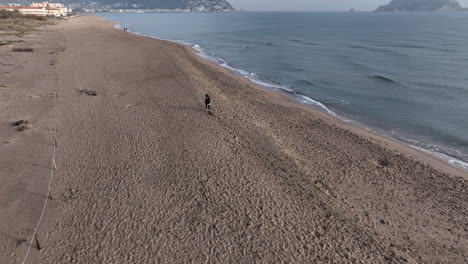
<point>89,92</point>
<point>22,125</point>
<point>22,50</point>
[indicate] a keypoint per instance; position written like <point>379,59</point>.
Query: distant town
<point>59,10</point>
<point>40,9</point>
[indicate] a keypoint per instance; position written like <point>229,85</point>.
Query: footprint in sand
<point>40,96</point>
<point>120,94</point>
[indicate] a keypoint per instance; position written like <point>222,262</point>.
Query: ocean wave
<point>302,82</point>
<point>393,47</point>
<point>455,162</point>
<point>441,86</point>
<point>254,43</point>
<point>379,50</point>
<point>367,48</point>
<point>303,42</point>
<point>413,46</point>
<point>356,65</point>
<point>454,157</point>
<point>384,78</point>
<point>308,100</point>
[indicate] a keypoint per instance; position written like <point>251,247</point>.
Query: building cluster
<point>41,9</point>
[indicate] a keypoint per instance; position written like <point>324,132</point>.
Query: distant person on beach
<point>207,103</point>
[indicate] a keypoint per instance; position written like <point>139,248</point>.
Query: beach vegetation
<point>9,42</point>
<point>10,14</point>
<point>13,23</point>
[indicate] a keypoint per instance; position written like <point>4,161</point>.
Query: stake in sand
<point>38,246</point>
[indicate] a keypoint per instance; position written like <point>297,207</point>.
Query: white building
<point>40,9</point>
<point>63,10</point>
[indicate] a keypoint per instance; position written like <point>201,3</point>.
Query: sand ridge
<point>148,177</point>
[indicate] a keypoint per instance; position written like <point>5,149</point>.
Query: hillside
<point>194,5</point>
<point>420,5</point>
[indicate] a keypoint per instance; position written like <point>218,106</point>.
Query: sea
<point>402,75</point>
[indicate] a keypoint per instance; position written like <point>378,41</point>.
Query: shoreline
<point>145,174</point>
<point>454,162</point>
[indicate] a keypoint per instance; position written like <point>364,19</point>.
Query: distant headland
<point>421,6</point>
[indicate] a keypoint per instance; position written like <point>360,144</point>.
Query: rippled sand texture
<point>147,176</point>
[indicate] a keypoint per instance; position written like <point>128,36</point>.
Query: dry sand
<point>145,175</point>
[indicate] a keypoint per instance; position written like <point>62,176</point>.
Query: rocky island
<point>421,6</point>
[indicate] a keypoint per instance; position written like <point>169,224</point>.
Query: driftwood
<point>88,92</point>
<point>22,125</point>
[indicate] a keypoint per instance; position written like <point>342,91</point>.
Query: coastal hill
<point>193,5</point>
<point>420,5</point>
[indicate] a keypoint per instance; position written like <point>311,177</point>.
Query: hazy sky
<point>313,4</point>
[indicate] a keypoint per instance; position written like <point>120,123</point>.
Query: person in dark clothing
<point>207,103</point>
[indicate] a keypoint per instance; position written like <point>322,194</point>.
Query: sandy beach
<point>145,175</point>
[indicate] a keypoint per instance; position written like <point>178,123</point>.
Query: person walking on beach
<point>207,103</point>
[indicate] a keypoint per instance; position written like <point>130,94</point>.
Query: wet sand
<point>145,175</point>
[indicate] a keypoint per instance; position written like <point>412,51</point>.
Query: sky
<point>311,5</point>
